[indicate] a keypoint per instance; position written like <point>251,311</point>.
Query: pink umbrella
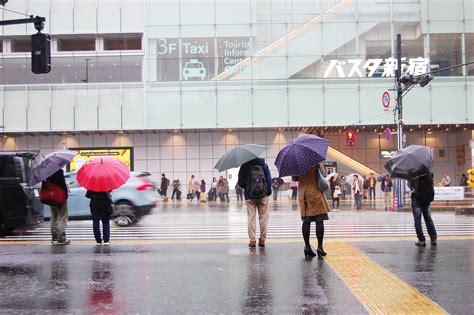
<point>103,174</point>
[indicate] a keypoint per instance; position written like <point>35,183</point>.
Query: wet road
<point>182,221</point>
<point>194,259</point>
<point>219,278</point>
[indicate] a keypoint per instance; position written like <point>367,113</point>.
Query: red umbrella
<point>103,174</point>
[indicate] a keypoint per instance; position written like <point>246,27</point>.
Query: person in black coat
<point>101,210</point>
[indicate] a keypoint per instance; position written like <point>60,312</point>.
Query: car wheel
<point>124,213</point>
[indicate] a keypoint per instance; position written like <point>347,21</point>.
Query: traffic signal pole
<point>399,108</point>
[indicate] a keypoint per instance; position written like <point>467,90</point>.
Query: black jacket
<point>101,202</point>
<point>244,174</point>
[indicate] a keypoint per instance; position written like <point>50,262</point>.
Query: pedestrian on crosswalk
<point>255,178</point>
<point>101,210</point>
<point>314,208</point>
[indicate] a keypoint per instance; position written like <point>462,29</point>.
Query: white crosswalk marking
<point>196,231</point>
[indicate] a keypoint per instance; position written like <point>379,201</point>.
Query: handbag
<point>321,181</point>
<point>52,195</point>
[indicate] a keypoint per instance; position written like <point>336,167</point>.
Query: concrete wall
<point>196,152</point>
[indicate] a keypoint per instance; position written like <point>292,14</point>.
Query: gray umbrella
<point>411,162</point>
<point>238,156</point>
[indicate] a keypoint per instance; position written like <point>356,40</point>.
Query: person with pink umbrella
<point>100,176</point>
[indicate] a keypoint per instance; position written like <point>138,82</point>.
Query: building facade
<point>182,82</point>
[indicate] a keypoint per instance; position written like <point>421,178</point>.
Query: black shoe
<point>308,252</point>
<point>321,252</point>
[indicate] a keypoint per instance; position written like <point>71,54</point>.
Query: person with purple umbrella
<point>302,157</point>
<point>314,208</point>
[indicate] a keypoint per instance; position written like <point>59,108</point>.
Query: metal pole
<point>399,113</point>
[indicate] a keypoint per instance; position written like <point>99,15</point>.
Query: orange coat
<point>311,199</point>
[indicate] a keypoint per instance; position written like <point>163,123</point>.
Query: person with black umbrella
<point>421,197</point>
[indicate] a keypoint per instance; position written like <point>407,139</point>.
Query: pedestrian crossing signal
<point>350,138</point>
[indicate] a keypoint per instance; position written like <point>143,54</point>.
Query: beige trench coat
<point>311,199</point>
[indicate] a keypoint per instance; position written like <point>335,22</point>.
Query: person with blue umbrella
<point>302,157</point>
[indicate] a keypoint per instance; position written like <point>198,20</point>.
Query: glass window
<point>125,42</point>
<point>73,70</point>
<point>469,38</point>
<point>445,51</point>
<point>412,39</point>
<point>21,44</point>
<point>76,44</point>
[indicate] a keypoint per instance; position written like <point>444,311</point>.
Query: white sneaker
<point>106,243</point>
<point>98,244</point>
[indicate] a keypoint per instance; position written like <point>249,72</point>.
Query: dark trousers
<point>371,192</point>
<point>358,200</point>
<point>426,213</point>
<point>335,203</point>
<point>98,216</point>
<point>240,196</point>
<point>177,193</point>
<point>294,193</point>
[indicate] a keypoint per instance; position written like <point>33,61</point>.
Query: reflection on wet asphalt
<point>212,278</point>
<point>444,273</point>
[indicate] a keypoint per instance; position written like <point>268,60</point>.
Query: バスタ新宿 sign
<point>360,68</point>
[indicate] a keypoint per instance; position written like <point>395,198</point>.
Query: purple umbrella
<point>49,165</point>
<point>301,155</point>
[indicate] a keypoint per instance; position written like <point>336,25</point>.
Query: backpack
<point>425,190</point>
<point>257,184</point>
<point>52,195</point>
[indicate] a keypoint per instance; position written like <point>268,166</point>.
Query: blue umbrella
<point>301,155</point>
<point>49,165</point>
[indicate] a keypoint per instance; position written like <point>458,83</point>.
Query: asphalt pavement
<point>372,266</point>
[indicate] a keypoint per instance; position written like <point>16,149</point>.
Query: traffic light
<point>350,138</point>
<point>40,53</point>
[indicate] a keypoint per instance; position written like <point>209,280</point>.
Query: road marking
<point>379,290</point>
<point>230,241</point>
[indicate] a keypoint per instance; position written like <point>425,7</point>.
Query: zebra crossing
<point>230,231</point>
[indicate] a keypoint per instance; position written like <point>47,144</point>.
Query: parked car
<point>19,202</point>
<point>132,200</point>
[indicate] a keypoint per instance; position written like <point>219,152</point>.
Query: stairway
<point>331,26</point>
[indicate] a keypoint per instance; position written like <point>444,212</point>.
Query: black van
<point>19,203</point>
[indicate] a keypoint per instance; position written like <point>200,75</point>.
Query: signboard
<point>461,154</point>
<point>360,68</point>
<point>388,134</point>
<point>83,155</point>
<point>384,154</point>
<point>449,193</point>
<point>386,101</point>
<point>200,59</point>
<point>331,167</point>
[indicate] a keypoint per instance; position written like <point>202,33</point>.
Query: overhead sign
<point>386,101</point>
<point>83,155</point>
<point>384,154</point>
<point>449,193</point>
<point>359,68</point>
<point>388,134</point>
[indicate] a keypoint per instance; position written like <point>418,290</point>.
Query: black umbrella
<point>411,162</point>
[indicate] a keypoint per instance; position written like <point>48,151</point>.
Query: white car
<point>133,199</point>
<point>194,69</point>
